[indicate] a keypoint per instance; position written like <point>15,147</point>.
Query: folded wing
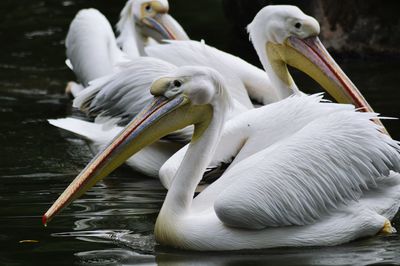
<point>329,162</point>
<point>120,96</point>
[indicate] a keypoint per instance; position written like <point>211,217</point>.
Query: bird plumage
<point>91,46</point>
<point>299,190</point>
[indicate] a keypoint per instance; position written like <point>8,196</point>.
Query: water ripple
<point>114,257</point>
<point>142,243</point>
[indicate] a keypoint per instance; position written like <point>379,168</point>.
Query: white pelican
<point>114,100</point>
<point>94,53</point>
<point>144,20</point>
<point>281,36</point>
<point>326,183</point>
<point>92,49</point>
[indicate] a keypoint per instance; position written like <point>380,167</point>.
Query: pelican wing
<point>295,181</point>
<point>117,98</point>
<point>250,132</point>
<point>243,79</point>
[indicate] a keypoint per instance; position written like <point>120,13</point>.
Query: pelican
<point>113,106</point>
<point>142,21</point>
<point>326,183</point>
<point>281,36</point>
<point>92,49</point>
<point>95,56</point>
<point>320,181</point>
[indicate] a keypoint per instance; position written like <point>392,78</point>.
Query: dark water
<point>113,223</point>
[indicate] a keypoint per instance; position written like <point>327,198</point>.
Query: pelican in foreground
<point>327,183</point>
<point>113,106</point>
<point>92,49</point>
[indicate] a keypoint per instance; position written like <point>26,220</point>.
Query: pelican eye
<point>297,25</point>
<point>177,83</point>
<point>148,8</point>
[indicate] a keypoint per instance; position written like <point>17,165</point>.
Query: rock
<point>357,26</point>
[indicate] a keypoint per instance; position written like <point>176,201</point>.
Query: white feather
<point>245,134</point>
<point>307,175</point>
<point>69,64</point>
<point>123,94</point>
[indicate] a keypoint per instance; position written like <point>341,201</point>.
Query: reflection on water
<point>113,223</point>
<point>115,256</point>
<point>375,251</point>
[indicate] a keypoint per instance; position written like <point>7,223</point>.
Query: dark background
<point>37,161</point>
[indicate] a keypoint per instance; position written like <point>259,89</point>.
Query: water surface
<point>113,223</point>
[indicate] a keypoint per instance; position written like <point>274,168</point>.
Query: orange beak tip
<point>44,220</point>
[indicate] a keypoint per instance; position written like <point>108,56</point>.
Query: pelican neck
<point>198,155</point>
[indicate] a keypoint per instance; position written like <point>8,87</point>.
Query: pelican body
<point>92,49</point>
<point>299,191</point>
<point>305,173</point>
<point>95,55</point>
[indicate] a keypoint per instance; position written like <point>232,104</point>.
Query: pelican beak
<point>310,56</point>
<point>163,27</point>
<point>161,117</point>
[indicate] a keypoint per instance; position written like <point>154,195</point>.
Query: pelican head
<point>188,96</point>
<point>284,35</point>
<point>151,19</point>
